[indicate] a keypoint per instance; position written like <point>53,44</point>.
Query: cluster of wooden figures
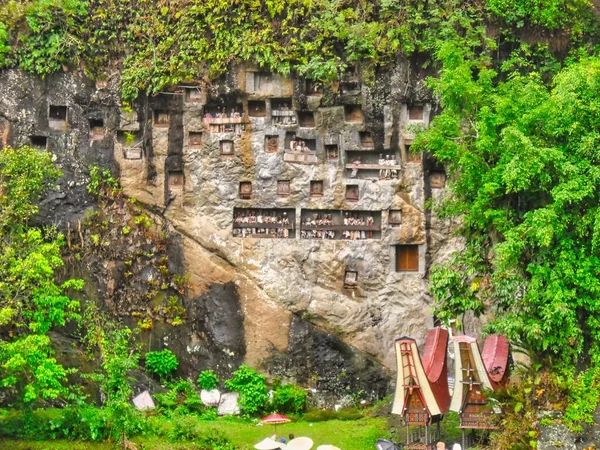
<point>298,145</point>
<point>222,114</point>
<point>223,122</point>
<point>326,220</point>
<point>387,174</point>
<point>257,217</point>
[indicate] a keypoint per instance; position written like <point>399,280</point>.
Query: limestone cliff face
<point>185,167</point>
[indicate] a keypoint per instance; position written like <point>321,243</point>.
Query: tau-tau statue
<point>381,163</point>
<point>394,172</point>
<point>356,162</point>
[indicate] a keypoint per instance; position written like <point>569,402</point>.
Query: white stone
<point>228,404</point>
<point>210,398</point>
<point>144,401</point>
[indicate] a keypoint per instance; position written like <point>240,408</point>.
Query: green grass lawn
<point>348,435</point>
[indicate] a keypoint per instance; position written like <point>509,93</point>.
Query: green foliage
<point>289,398</point>
<point>188,429</point>
<point>25,175</point>
<point>552,14</point>
<point>208,380</point>
<point>115,348</point>
<point>321,415</point>
<point>102,184</point>
<point>31,302</point>
<point>161,44</point>
<point>143,221</point>
<point>252,387</point>
<point>162,363</point>
<point>181,399</point>
<point>523,163</point>
<point>534,390</point>
<point>584,392</point>
<point>50,33</point>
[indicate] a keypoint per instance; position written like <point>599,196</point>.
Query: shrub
<point>208,380</point>
<point>181,399</point>
<point>191,429</point>
<point>162,363</point>
<point>321,415</point>
<point>289,399</point>
<point>252,387</point>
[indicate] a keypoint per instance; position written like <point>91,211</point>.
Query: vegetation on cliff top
<point>160,43</point>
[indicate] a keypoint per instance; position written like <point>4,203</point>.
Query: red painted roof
<point>495,358</point>
<point>464,338</point>
<point>435,365</point>
<point>434,356</point>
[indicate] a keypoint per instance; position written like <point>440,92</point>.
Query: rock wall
<point>258,295</point>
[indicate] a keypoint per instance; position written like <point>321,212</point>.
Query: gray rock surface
<point>248,299</point>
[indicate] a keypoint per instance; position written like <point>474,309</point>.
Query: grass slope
<point>347,435</point>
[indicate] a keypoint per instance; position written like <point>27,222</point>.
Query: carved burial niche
<point>257,108</point>
<point>175,179</point>
<point>226,147</point>
<point>395,217</point>
<point>283,188</point>
<point>193,95</point>
<point>349,88</point>
<point>437,179</point>
<point>97,130</point>
<point>281,104</point>
<point>195,138</point>
<point>263,81</point>
<point>57,116</point>
<point>353,114</point>
<point>412,157</point>
<point>245,190</point>
<point>352,192</point>
<point>366,139</point>
<point>331,152</point>
<point>282,112</point>
<point>39,142</point>
<point>407,258</point>
<point>161,118</point>
<point>316,188</point>
<point>306,119</point>
<point>131,141</point>
<point>415,112</point>
<point>350,279</point>
<point>314,87</point>
<point>272,144</point>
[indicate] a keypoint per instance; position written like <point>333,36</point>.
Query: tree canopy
<point>524,163</point>
<point>160,43</point>
<point>32,302</point>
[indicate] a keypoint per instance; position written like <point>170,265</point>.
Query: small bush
<point>289,399</point>
<point>181,399</point>
<point>321,415</point>
<point>162,363</point>
<point>208,380</point>
<point>252,387</point>
<point>85,423</point>
<point>191,429</point>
